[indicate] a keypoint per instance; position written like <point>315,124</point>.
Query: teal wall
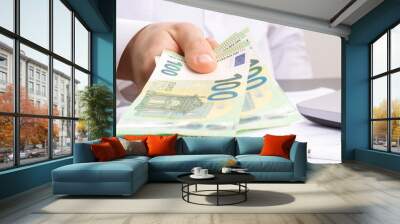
<point>356,104</point>
<point>356,85</point>
<point>99,16</point>
<point>95,13</point>
<point>103,68</point>
<point>376,158</point>
<point>24,178</point>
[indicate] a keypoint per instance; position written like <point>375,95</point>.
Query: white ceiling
<point>320,9</point>
<point>325,16</point>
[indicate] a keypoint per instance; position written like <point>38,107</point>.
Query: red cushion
<point>161,145</point>
<point>103,151</point>
<point>116,145</point>
<point>277,145</point>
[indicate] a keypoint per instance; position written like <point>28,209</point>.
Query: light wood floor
<point>377,188</point>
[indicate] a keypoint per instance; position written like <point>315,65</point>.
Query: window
<point>37,89</point>
<point>385,94</point>
<point>3,72</point>
<point>44,91</point>
<point>30,87</point>
<point>395,47</point>
<point>38,73</point>
<point>34,21</point>
<point>47,75</point>
<point>33,139</point>
<point>62,74</point>
<point>7,14</point>
<point>81,81</point>
<point>30,72</point>
<point>6,73</point>
<point>62,137</point>
<point>55,101</point>
<point>62,31</point>
<point>3,61</point>
<point>3,78</point>
<point>81,45</point>
<point>6,142</point>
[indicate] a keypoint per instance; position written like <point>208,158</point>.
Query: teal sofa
<point>125,176</point>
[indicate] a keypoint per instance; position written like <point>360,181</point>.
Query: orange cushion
<point>116,145</point>
<point>277,145</point>
<point>103,151</point>
<point>136,137</point>
<point>161,145</point>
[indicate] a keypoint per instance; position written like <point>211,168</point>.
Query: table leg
<point>245,193</point>
<point>195,188</point>
<point>182,190</point>
<point>217,194</point>
<point>188,190</point>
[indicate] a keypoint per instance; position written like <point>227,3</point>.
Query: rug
<point>166,198</point>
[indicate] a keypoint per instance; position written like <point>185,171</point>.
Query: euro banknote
<point>266,104</point>
<point>177,100</point>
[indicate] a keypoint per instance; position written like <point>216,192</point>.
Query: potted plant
<point>96,103</point>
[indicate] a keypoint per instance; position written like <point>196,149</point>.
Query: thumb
<point>199,55</point>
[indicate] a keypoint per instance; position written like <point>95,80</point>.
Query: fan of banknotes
<point>240,95</point>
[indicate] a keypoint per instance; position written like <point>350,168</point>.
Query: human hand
<point>137,61</point>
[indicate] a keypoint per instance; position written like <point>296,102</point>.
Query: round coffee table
<point>238,179</point>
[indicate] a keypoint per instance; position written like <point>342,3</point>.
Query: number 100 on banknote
<point>178,100</point>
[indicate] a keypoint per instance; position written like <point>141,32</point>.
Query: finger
<point>213,43</point>
<point>143,53</point>
<point>199,55</point>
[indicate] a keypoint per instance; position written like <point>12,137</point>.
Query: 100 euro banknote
<point>177,100</point>
<point>265,105</point>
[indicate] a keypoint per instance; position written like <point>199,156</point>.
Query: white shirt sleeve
<point>289,55</point>
<point>126,30</point>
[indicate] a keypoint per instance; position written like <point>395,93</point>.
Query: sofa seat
<point>257,163</point>
<point>118,177</point>
<point>167,168</point>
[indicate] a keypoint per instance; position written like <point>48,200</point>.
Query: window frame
<point>16,115</point>
<point>388,74</point>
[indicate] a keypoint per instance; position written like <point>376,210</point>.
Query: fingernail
<point>204,59</point>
